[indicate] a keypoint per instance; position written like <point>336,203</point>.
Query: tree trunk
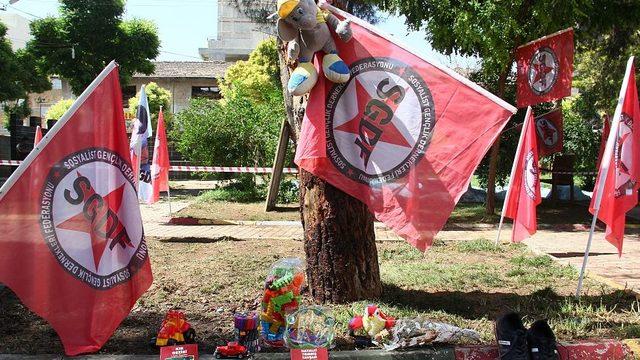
<point>339,238</point>
<point>490,206</point>
<point>339,242</point>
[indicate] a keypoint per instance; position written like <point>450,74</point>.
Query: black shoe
<point>512,338</point>
<point>542,342</point>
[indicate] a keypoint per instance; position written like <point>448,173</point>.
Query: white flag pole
<point>525,125</point>
<point>168,188</point>
<point>604,170</point>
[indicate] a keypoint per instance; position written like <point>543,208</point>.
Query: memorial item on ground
<point>408,333</point>
<point>515,342</point>
<point>179,352</point>
<point>246,331</point>
<point>175,330</point>
<point>310,328</point>
<point>281,297</point>
<point>232,350</point>
<point>371,326</point>
<point>308,30</point>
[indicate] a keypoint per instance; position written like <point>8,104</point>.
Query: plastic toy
<point>371,325</point>
<point>281,297</point>
<point>246,329</point>
<point>310,328</point>
<point>307,28</point>
<point>232,350</point>
<point>175,330</point>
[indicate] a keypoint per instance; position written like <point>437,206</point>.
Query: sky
<point>185,25</point>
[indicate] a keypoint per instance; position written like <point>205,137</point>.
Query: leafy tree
<point>156,96</point>
<point>492,30</point>
<point>58,109</point>
<point>243,127</point>
<point>20,72</point>
<point>90,34</point>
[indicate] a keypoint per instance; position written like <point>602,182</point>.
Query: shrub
<point>58,109</point>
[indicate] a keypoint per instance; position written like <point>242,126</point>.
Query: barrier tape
<point>210,169</point>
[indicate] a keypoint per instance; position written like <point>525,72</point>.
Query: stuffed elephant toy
<point>307,29</point>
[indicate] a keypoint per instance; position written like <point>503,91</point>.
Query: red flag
<point>524,187</point>
<point>404,135</point>
<point>38,136</point>
<point>545,69</point>
<point>606,129</point>
<point>160,166</point>
<point>617,185</point>
<point>550,133</point>
<point>72,245</point>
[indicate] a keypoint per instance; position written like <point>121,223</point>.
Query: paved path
<point>565,244</point>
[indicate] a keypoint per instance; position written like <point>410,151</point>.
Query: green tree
<point>243,127</point>
<point>493,29</point>
<point>20,72</point>
<point>157,96</point>
<point>90,34</point>
<point>58,109</point>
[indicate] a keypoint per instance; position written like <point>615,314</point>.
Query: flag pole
<point>604,169</point>
<point>168,187</point>
<point>513,171</point>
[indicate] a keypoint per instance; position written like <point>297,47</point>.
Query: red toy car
<point>233,350</point>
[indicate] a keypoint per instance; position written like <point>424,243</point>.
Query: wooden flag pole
<point>278,166</point>
<point>604,169</point>
<point>513,172</point>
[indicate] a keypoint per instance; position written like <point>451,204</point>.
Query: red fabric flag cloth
<point>404,136</point>
<point>38,136</point>
<point>617,183</point>
<point>606,129</point>
<point>160,165</point>
<point>72,245</point>
<point>545,69</point>
<point>550,133</point>
<point>524,186</point>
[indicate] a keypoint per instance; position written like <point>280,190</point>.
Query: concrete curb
<point>585,350</point>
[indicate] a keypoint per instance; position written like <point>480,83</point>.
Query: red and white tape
<point>210,169</point>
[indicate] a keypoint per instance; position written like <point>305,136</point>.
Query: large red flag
<point>72,245</point>
<point>549,129</point>
<point>160,166</point>
<point>617,185</point>
<point>404,135</point>
<point>545,69</point>
<point>524,187</point>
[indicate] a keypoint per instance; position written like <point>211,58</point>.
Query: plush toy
<point>371,323</point>
<point>307,29</point>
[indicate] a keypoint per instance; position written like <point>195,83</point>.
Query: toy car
<point>233,350</point>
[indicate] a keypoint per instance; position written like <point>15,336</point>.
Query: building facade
<point>238,35</point>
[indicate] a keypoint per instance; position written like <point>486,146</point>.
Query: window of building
<point>209,92</point>
<point>56,83</point>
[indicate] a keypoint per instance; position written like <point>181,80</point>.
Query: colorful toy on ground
<point>373,324</point>
<point>310,328</point>
<point>246,329</point>
<point>232,350</point>
<point>175,330</point>
<point>281,297</point>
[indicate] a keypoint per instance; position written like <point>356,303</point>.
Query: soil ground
<point>466,283</point>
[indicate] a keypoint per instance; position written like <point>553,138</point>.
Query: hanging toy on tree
<point>307,28</point>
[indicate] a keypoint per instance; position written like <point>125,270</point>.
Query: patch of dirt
<point>466,286</point>
<point>222,210</point>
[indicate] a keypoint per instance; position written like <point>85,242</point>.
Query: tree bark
<point>339,242</point>
<point>490,205</point>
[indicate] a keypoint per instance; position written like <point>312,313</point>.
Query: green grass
<point>477,245</point>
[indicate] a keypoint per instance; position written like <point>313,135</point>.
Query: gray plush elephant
<point>307,28</point>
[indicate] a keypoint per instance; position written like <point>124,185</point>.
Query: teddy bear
<point>307,28</point>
